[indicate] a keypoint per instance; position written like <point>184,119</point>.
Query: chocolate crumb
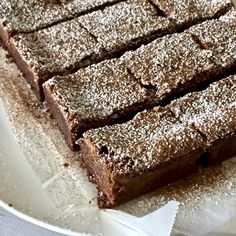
<point>66,165</point>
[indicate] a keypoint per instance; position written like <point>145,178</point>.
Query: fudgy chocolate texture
<point>95,96</point>
<point>176,62</point>
<point>137,156</point>
<point>56,50</point>
<point>30,15</point>
<point>126,24</point>
<point>164,140</point>
<point>189,12</point>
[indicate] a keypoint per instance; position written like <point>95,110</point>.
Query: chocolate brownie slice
<point>56,50</point>
<point>136,157</point>
<point>98,95</point>
<point>19,16</point>
<point>162,145</point>
<point>220,37</point>
<point>213,113</point>
<point>180,62</point>
<point>126,24</point>
<point>189,12</point>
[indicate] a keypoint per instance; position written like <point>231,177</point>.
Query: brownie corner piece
<point>98,95</point>
<point>57,50</point>
<point>131,159</point>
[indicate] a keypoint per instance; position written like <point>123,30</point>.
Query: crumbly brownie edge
<point>59,117</point>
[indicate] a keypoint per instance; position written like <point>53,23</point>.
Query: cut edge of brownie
<point>114,190</point>
<point>28,72</point>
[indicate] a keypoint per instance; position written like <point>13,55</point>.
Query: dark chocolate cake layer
<point>161,145</point>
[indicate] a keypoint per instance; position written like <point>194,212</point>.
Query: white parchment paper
<point>64,196</point>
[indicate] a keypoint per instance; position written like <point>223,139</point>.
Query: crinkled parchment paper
<point>67,199</point>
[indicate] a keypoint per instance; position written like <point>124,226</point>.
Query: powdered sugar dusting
<point>28,16</point>
<point>125,23</point>
<point>189,11</point>
<point>150,139</point>
<point>102,91</point>
<point>211,111</point>
<point>57,49</point>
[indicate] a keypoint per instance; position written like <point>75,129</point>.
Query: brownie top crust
<point>30,15</point>
<point>186,12</point>
<point>57,49</point>
<point>218,36</point>
<point>200,53</point>
<point>151,139</point>
<point>168,62</point>
<point>100,91</point>
<point>211,111</point>
<point>125,23</point>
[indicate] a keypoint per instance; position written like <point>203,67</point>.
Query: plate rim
<point>37,222</point>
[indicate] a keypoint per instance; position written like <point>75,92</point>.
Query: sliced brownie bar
<point>95,96</point>
<point>161,145</point>
<point>213,113</point>
<point>180,62</point>
<point>19,16</point>
<point>56,50</point>
<point>220,37</point>
<point>126,24</point>
<point>136,157</point>
<point>189,12</point>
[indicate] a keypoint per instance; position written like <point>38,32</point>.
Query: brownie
<point>182,62</point>
<point>60,49</point>
<point>19,16</point>
<point>213,113</point>
<point>222,42</point>
<point>136,157</point>
<point>95,96</point>
<point>126,24</point>
<point>188,12</point>
<point>163,144</point>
